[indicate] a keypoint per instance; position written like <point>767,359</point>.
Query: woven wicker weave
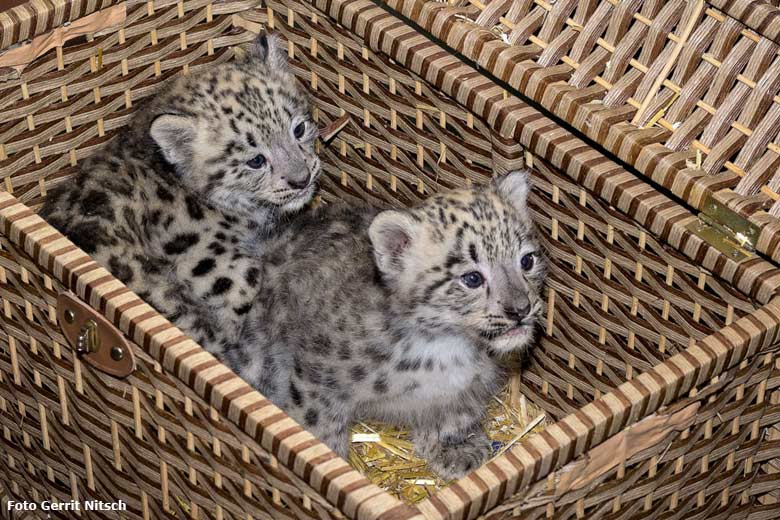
<point>644,319</point>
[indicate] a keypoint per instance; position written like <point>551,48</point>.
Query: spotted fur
<point>368,315</point>
<point>176,204</point>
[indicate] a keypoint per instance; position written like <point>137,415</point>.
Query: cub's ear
<point>513,187</point>
<point>269,49</point>
<point>391,233</point>
<point>174,134</point>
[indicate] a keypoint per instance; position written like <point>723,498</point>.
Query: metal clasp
<point>726,230</point>
<point>93,338</point>
<point>88,340</point>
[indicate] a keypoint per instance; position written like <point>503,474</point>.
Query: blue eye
<point>473,280</point>
<point>256,162</point>
<point>527,262</point>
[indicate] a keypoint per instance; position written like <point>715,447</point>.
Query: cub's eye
<point>527,262</point>
<point>299,130</point>
<point>258,161</point>
<point>473,280</point>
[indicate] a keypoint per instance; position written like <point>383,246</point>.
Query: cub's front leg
<point>453,447</point>
<point>331,428</point>
<point>323,418</point>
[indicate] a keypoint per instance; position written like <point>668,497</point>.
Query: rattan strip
<point>39,17</point>
<point>694,17</point>
<point>308,458</point>
<point>759,15</point>
<point>637,146</point>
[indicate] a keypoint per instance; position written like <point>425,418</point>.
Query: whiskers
<point>492,333</point>
<point>499,325</point>
<point>284,195</point>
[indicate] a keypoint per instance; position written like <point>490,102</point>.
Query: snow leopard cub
<point>399,316</point>
<point>202,172</point>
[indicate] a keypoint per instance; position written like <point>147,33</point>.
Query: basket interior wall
<point>619,301</point>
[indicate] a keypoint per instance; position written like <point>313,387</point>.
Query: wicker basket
<point>659,359</point>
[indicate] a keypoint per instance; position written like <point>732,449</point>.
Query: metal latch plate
<point>94,338</point>
<point>726,230</point>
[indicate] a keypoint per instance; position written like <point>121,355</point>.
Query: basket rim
<point>33,18</point>
<point>480,46</point>
<point>29,19</point>
<point>759,15</point>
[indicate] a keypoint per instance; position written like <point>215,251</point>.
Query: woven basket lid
<point>685,93</point>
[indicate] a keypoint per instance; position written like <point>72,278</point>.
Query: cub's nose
<point>517,312</point>
<point>299,184</point>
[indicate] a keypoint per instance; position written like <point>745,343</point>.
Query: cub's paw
<point>456,460</point>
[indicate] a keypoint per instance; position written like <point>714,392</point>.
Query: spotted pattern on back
<point>178,205</point>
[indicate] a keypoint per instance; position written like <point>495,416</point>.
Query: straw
<point>385,455</point>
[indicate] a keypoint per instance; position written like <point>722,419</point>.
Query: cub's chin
<point>513,340</point>
<point>299,200</point>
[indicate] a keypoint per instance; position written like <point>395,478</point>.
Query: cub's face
<point>467,262</point>
<point>241,133</point>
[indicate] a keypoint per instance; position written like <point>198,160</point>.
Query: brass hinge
<point>725,230</point>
